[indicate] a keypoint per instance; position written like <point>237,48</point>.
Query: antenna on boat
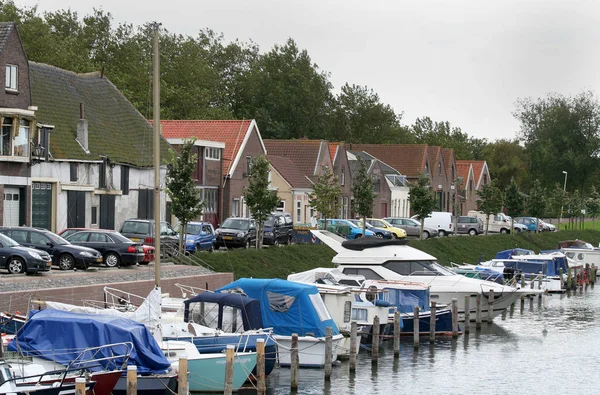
<point>156,124</point>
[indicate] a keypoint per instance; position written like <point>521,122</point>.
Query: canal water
<point>548,350</point>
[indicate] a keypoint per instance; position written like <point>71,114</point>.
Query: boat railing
<point>188,290</point>
<point>111,356</point>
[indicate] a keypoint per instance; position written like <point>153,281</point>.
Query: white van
<point>440,220</point>
<point>499,223</point>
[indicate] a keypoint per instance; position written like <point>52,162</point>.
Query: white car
<point>548,227</point>
<point>518,227</point>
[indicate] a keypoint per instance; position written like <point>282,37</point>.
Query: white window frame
<point>298,210</point>
<point>342,177</point>
<point>281,210</point>
<point>12,78</point>
<point>211,153</point>
<point>235,208</point>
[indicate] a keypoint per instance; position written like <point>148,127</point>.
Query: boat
<point>380,259</point>
<point>292,308</point>
<point>10,323</point>
<point>581,252</point>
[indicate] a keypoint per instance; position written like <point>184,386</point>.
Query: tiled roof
<point>448,155</point>
<point>477,169</point>
<point>115,128</point>
<point>333,149</point>
<point>5,30</point>
<point>289,171</point>
<point>462,168</point>
<point>435,154</point>
<point>408,159</point>
<point>303,153</point>
<point>231,132</point>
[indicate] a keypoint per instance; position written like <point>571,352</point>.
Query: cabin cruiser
<point>378,259</point>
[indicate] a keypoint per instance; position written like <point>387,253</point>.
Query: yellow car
<point>380,223</point>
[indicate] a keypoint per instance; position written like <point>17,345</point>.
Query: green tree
<point>536,203</point>
<point>592,203</point>
<point>185,199</point>
<point>326,194</point>
<point>506,160</point>
<point>514,202</point>
<point>426,131</point>
<point>489,202</point>
<point>362,190</point>
<point>422,199</point>
<point>260,199</point>
<point>557,201</point>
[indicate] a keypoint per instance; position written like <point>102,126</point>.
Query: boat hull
<point>149,385</point>
<point>443,323</point>
<point>311,350</point>
<point>207,374</point>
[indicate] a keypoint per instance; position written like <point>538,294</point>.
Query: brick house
<point>441,182</point>
<point>453,178</point>
<point>292,188</point>
<point>341,168</point>
<point>465,171</point>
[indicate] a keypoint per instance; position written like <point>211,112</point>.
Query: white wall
<point>399,202</point>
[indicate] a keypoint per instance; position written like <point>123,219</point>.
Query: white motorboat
<point>378,259</point>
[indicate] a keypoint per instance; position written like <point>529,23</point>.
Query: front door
<point>75,209</point>
<point>12,197</point>
<point>384,210</point>
<point>107,211</point>
<point>41,205</point>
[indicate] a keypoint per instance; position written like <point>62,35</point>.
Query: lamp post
<point>561,206</point>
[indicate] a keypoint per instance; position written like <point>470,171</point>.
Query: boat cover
<point>372,242</point>
<point>508,254</point>
<point>326,275</point>
<point>287,307</point>
<point>61,336</point>
<point>249,307</point>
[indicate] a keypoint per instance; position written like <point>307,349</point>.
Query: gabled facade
<point>242,141</point>
<point>469,200</point>
<point>292,188</point>
<point>440,182</point>
<point>341,168</point>
<point>481,173</point>
<point>17,124</point>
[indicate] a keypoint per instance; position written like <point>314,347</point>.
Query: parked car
<point>236,232</point>
<point>278,229</point>
<point>345,227</point>
<point>518,227</point>
<point>64,254</point>
<point>547,226</point>
<point>530,223</point>
<point>468,225</point>
<point>116,249</point>
<point>200,236</point>
<point>69,231</point>
<point>379,232</point>
<point>412,227</point>
<point>142,230</point>
<point>440,220</point>
<point>399,233</point>
<point>18,259</point>
<point>497,223</point>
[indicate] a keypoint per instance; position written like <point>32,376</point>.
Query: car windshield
<point>136,227</point>
<point>57,239</point>
<point>270,221</point>
<point>7,241</point>
<point>386,223</point>
<point>352,224</point>
<point>193,229</point>
<point>413,222</point>
<point>233,223</point>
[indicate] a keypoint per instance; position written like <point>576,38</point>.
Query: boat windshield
<point>420,268</point>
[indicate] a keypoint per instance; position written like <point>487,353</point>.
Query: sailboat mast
<point>156,124</point>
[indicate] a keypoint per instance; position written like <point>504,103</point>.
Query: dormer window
<point>213,153</point>
<point>14,138</point>
<point>12,77</point>
<point>439,169</point>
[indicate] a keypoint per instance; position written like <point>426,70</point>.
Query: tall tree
<point>260,199</point>
<point>489,202</point>
<point>422,199</point>
<point>426,131</point>
<point>181,188</point>
<point>557,201</point>
<point>514,202</point>
<point>536,203</point>
<point>592,204</point>
<point>326,194</point>
<point>506,160</point>
<point>362,190</point>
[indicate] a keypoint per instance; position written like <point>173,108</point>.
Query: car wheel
<point>16,265</point>
<point>289,240</point>
<point>394,236</point>
<point>275,243</point>
<point>442,233</point>
<point>379,235</point>
<point>358,236</point>
<point>212,248</point>
<point>472,232</point>
<point>198,248</point>
<point>425,234</point>
<point>111,260</point>
<point>504,231</point>
<point>66,262</point>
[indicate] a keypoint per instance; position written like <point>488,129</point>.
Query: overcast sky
<point>462,61</point>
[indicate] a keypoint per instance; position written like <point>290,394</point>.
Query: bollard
<point>182,383</point>
<point>375,340</point>
<point>562,281</point>
<point>229,356</point>
<point>593,274</point>
<point>532,282</point>
<point>522,280</point>
<point>80,386</point>
<point>454,317</point>
<point>353,346</point>
<point>131,380</point>
<point>512,309</point>
<point>531,302</point>
<point>432,322</point>
<point>261,388</point>
<point>522,303</point>
<point>416,331</point>
<point>328,352</point>
<point>491,306</point>
<point>540,280</point>
<point>569,278</point>
<point>478,312</point>
<point>467,313</point>
<point>294,363</point>
<point>396,334</point>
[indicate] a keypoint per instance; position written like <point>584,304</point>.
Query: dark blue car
<point>200,236</point>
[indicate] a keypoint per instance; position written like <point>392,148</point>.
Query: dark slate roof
<point>116,128</point>
<point>5,30</point>
<point>289,171</point>
<point>408,159</point>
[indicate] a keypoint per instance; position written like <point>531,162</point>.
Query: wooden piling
<point>522,280</point>
<point>353,340</point>
<point>540,275</point>
<point>375,340</point>
<point>512,309</point>
<point>294,363</point>
<point>562,281</point>
<point>229,357</point>
<point>80,386</point>
<point>416,331</point>
<point>522,303</point>
<point>569,278</point>
<point>432,322</point>
<point>478,312</point>
<point>182,383</point>
<point>593,274</point>
<point>328,352</point>
<point>396,334</point>
<point>261,387</point>
<point>454,317</point>
<point>467,313</point>
<point>131,380</point>
<point>490,307</point>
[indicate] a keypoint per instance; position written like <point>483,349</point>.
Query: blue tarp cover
<point>532,267</point>
<point>61,336</point>
<point>249,307</point>
<point>405,300</point>
<point>507,254</point>
<point>286,306</point>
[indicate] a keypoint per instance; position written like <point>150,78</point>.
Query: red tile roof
<point>462,168</point>
<point>303,153</point>
<point>434,153</point>
<point>448,155</point>
<point>333,149</point>
<point>289,171</point>
<point>232,133</point>
<point>408,159</point>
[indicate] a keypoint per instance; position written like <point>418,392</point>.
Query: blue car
<point>353,231</point>
<point>200,236</point>
<point>379,232</point>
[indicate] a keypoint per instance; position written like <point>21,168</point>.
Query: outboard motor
<point>509,273</point>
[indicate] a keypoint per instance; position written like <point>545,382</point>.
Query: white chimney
<point>82,130</point>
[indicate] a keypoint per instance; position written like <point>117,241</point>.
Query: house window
<point>102,175</point>
<point>210,198</point>
<point>212,153</point>
<point>12,74</point>
<point>73,170</point>
<point>485,179</point>
<point>14,138</point>
<point>94,215</point>
<point>342,178</point>
<point>439,169</point>
<point>21,140</point>
<point>346,207</point>
<point>125,180</point>
<point>298,210</point>
<point>235,208</point>
<point>281,206</point>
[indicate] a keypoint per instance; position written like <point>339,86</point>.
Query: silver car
<point>412,227</point>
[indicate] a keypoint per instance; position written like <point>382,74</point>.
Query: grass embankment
<point>279,262</point>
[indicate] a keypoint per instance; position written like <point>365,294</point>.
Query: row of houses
<point>74,152</point>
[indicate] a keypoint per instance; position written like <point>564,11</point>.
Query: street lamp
<point>561,206</point>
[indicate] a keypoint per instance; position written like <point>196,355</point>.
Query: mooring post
<point>522,303</point>
<point>562,281</point>
<point>375,340</point>
<point>512,309</point>
<point>478,312</point>
<point>80,386</point>
<point>569,274</point>
<point>261,387</point>
<point>454,317</point>
<point>593,274</point>
<point>353,341</point>
<point>416,331</point>
<point>131,380</point>
<point>491,307</point>
<point>396,334</point>
<point>229,359</point>
<point>467,313</point>
<point>540,275</point>
<point>294,363</point>
<point>328,352</point>
<point>432,322</point>
<point>182,380</point>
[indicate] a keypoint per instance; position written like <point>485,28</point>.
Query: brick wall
<point>13,54</point>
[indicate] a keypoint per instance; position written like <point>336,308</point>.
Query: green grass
<point>587,225</point>
<point>279,262</point>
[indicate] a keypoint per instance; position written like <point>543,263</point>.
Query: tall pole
<point>561,206</point>
<point>156,124</point>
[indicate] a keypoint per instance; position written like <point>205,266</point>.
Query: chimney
<point>82,130</point>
